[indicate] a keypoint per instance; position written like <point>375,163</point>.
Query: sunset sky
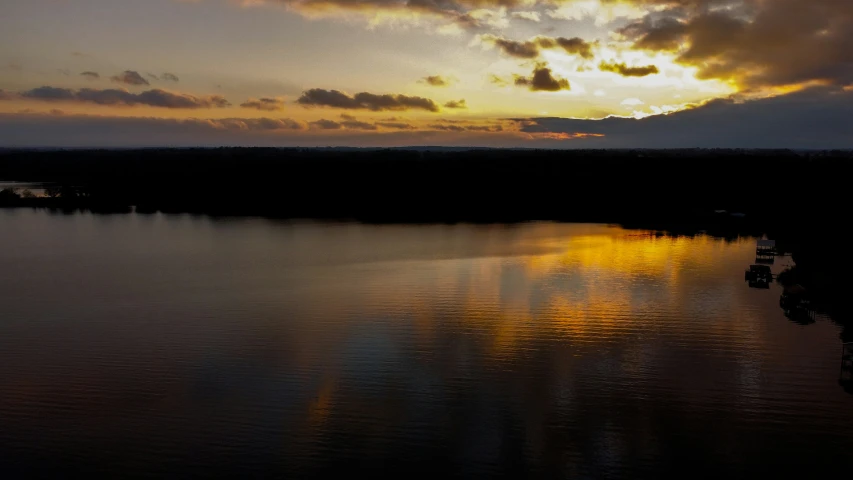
<point>520,73</point>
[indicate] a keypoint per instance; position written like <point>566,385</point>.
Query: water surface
<point>152,345</point>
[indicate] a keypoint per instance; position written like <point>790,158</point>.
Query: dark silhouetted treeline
<point>675,188</point>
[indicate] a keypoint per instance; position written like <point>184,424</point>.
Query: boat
<point>759,273</point>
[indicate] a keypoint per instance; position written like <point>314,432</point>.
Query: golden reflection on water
<point>581,288</point>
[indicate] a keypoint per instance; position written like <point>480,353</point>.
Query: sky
<point>376,73</point>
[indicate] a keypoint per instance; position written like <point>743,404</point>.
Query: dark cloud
<point>575,45</point>
<point>152,76</point>
<point>447,128</point>
<point>513,48</point>
<point>627,71</point>
<point>317,97</point>
<point>352,123</point>
<point>348,122</point>
<point>542,80</point>
<point>356,125</point>
<point>436,81</point>
<point>129,77</point>
<point>466,128</point>
<point>530,49</point>
<point>253,124</point>
<point>396,125</point>
<point>664,34</point>
<point>815,118</point>
<point>326,125</point>
<point>90,75</point>
<point>50,94</point>
<point>264,104</point>
<point>756,43</point>
<point>115,97</point>
<point>460,104</point>
<point>484,128</point>
<point>169,77</point>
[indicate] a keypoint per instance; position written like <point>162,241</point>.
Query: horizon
<point>424,148</point>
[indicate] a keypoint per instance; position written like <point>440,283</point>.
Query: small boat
<point>759,273</point>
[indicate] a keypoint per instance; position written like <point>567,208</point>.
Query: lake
<point>176,345</point>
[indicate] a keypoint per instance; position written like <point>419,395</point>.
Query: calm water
<point>155,345</point>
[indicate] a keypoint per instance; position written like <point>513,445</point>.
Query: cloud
<point>542,80</point>
<point>487,17</point>
<point>627,71</point>
<point>265,104</point>
<point>496,80</point>
<point>129,77</point>
<point>530,49</point>
<point>348,122</point>
<point>115,97</point>
<point>529,16</point>
<point>756,44</point>
<point>461,14</point>
<point>252,124</point>
<point>356,125</point>
<point>50,94</point>
<point>169,77</point>
<point>816,118</point>
<point>604,12</point>
<point>326,125</point>
<point>448,128</point>
<point>91,75</point>
<point>459,104</point>
<point>436,81</point>
<point>466,128</point>
<point>70,126</point>
<point>317,97</point>
<point>152,76</point>
<point>664,34</point>
<point>396,125</point>
<point>45,130</point>
<point>351,123</point>
<point>575,45</point>
<point>484,128</point>
<point>526,50</point>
